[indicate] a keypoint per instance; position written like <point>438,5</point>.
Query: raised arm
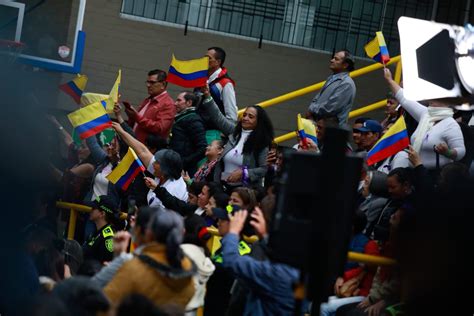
<point>140,149</point>
<point>210,112</point>
<point>98,154</point>
<point>414,108</point>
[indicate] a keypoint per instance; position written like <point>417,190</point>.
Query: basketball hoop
<point>10,49</point>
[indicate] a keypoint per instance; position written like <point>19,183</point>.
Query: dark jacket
<point>188,138</point>
<point>271,284</point>
<point>100,246</point>
<point>213,117</point>
<point>173,203</point>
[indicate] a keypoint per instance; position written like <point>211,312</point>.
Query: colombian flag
<point>306,129</point>
<point>394,140</point>
<point>377,49</point>
<point>115,92</point>
<point>128,168</point>
<point>188,73</point>
<point>75,88</point>
<point>108,105</point>
<point>90,120</point>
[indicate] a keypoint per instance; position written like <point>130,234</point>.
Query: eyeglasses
<point>152,82</point>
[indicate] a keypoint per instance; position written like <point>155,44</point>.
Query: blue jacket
<point>271,284</point>
<point>357,244</point>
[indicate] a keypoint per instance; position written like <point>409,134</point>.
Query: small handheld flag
<point>377,49</point>
<point>188,73</point>
<point>75,87</point>
<point>306,129</point>
<point>108,105</point>
<point>128,168</point>
<point>394,140</point>
<point>114,93</point>
<point>90,120</point>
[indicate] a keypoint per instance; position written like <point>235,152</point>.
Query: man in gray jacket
<point>338,93</point>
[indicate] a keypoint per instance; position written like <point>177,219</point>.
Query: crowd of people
<point>212,179</point>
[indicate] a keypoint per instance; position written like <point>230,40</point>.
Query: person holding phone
<point>155,115</point>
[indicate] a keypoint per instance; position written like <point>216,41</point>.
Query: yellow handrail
<point>74,208</point>
<point>319,85</point>
<point>369,259</point>
<point>351,256</point>
<point>358,112</point>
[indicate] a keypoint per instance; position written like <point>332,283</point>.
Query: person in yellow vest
<point>100,246</point>
<point>220,284</point>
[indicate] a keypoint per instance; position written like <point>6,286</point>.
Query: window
<point>320,24</point>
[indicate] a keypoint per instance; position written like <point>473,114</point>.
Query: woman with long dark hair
<point>243,160</point>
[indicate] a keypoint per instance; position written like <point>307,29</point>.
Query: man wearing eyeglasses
<point>156,113</point>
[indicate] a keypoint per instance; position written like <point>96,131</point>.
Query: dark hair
<point>248,196</point>
<point>89,267</point>
<point>404,175</point>
<point>328,118</point>
<point>261,137</point>
<point>196,187</point>
<point>143,217</point>
<point>348,59</point>
<point>170,162</point>
<point>451,175</point>
<point>268,205</point>
<point>156,141</point>
<point>221,198</point>
<point>160,74</point>
<point>214,188</point>
<point>359,222</point>
<point>167,228</point>
<point>50,262</point>
<point>82,296</point>
<point>220,54</point>
<point>361,120</point>
<point>193,226</point>
<point>138,305</point>
<point>189,96</point>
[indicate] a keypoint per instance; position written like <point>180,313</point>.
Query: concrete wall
<point>136,47</point>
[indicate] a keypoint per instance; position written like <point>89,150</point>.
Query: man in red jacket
<point>156,113</point>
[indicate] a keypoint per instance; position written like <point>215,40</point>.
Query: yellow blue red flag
<point>394,140</point>
<point>75,87</point>
<point>115,92</point>
<point>377,49</point>
<point>128,168</point>
<point>188,73</point>
<point>90,120</point>
<point>306,129</point>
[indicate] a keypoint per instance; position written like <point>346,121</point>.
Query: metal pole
<point>467,11</point>
<point>186,28</point>
<point>71,229</point>
<point>260,41</point>
<point>382,20</point>
<point>435,10</point>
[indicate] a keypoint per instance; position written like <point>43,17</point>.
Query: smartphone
<point>127,104</point>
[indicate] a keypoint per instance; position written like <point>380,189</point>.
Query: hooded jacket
<point>154,278</point>
<point>205,268</point>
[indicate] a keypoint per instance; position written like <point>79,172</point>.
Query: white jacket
<point>205,269</point>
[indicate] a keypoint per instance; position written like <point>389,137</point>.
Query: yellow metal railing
<point>319,85</point>
<point>74,208</point>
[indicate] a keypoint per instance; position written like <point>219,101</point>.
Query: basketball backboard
<point>50,29</point>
